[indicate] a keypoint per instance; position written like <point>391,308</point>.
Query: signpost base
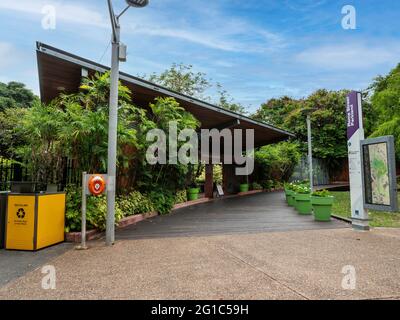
<point>360,224</point>
<point>81,248</point>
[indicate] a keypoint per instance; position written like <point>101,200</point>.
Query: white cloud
<point>204,39</point>
<point>231,38</point>
<point>350,56</point>
<point>7,54</point>
<point>72,13</point>
<point>224,63</point>
<point>303,5</point>
<point>216,31</point>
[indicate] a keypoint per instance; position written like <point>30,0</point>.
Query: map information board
<point>379,174</point>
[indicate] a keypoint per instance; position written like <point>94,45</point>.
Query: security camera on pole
<point>118,54</point>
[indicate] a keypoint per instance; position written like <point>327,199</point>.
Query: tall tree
<point>226,101</point>
<point>10,132</point>
<point>181,78</point>
<point>328,117</point>
<point>275,111</point>
<point>15,95</point>
<point>385,101</point>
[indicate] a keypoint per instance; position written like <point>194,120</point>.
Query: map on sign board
<point>379,174</point>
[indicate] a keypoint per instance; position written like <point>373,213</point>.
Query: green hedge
<point>126,205</point>
<point>135,203</point>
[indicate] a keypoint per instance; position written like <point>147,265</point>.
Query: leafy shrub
<point>135,203</point>
<point>290,186</point>
<point>321,193</point>
<point>303,182</point>
<point>277,162</point>
<point>278,184</point>
<point>96,211</point>
<point>217,175</point>
<point>294,185</point>
<point>163,201</point>
<point>181,196</point>
<point>73,220</point>
<point>302,189</point>
<point>6,162</point>
<point>268,184</point>
<point>257,186</point>
<point>73,209</point>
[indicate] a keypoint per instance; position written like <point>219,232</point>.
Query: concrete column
<point>228,178</point>
<point>209,184</point>
<point>225,179</point>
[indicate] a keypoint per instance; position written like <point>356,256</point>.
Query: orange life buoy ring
<point>97,185</point>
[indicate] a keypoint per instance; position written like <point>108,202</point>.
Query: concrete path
<point>275,265</point>
<point>226,262</point>
<point>14,264</point>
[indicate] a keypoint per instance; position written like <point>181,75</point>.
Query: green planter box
<point>322,207</point>
<point>289,197</point>
<point>303,203</point>
<point>244,187</point>
<point>193,194</point>
<point>293,199</point>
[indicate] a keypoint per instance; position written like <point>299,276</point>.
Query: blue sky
<point>256,49</point>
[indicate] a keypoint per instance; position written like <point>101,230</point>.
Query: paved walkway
<point>14,264</point>
<point>155,260</point>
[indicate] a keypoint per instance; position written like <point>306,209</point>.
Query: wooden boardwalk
<point>265,212</point>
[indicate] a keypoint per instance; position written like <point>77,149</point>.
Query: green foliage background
<point>75,126</point>
<point>385,99</point>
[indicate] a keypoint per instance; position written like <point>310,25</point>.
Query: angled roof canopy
<point>60,71</point>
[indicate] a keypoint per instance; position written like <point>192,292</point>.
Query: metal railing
<point>13,170</point>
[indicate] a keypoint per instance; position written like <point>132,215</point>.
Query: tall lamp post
<point>308,113</point>
<point>118,54</point>
<point>309,142</point>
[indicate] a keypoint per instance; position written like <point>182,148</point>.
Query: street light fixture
<point>118,54</point>
<point>137,3</point>
<point>308,113</point>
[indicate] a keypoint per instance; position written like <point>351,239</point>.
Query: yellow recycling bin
<point>34,221</point>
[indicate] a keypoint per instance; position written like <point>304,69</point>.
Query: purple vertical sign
<point>353,123</point>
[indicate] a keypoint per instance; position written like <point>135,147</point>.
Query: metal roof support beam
<point>143,83</point>
<point>229,125</point>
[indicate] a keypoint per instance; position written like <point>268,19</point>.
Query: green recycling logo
<point>21,213</point>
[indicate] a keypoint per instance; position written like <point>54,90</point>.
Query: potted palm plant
<point>303,199</point>
<point>322,202</point>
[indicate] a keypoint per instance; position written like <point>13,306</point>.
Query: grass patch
<point>342,208</point>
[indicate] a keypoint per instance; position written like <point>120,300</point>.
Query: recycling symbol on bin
<point>21,213</point>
